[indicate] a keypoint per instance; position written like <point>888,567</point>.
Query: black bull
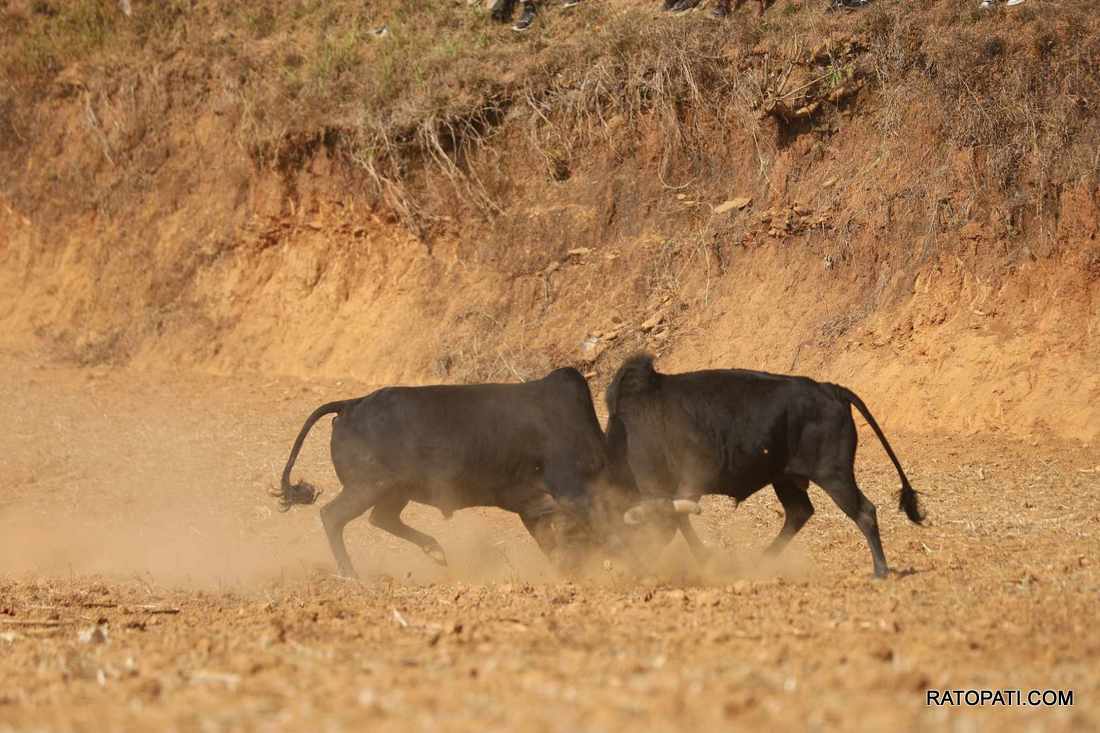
<point>535,449</point>
<point>676,437</point>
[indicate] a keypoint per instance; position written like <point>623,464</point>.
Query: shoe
<point>526,19</point>
<point>682,6</point>
<point>570,3</point>
<point>1010,3</point>
<point>986,5</point>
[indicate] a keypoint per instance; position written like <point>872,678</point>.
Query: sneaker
<point>570,3</point>
<point>1010,3</point>
<point>526,19</point>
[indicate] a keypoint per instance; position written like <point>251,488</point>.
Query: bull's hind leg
<point>797,510</point>
<point>335,515</point>
<point>844,491</point>
<point>387,516</point>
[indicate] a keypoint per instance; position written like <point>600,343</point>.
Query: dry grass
<point>413,107</point>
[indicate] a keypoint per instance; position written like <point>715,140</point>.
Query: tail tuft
<point>909,502</point>
<point>302,492</point>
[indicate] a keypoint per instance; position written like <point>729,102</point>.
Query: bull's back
<point>480,434</point>
<point>745,425</point>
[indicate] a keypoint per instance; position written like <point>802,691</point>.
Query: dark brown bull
<point>676,437</point>
<point>534,449</point>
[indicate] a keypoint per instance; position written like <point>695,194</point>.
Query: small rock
<point>592,348</point>
<point>675,595</point>
<point>94,634</point>
<point>652,322</point>
<point>731,204</point>
<point>399,619</point>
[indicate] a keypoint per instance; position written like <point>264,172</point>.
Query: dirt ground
<point>137,501</point>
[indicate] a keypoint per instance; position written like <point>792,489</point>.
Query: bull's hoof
<point>435,552</point>
<point>881,573</point>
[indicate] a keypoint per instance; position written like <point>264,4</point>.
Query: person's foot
<point>1010,3</point>
<point>570,3</point>
<point>667,5</point>
<point>526,19</point>
<point>986,4</point>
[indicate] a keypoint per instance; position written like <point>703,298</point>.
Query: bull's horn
<point>686,506</point>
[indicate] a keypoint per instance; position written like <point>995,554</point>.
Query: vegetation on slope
<point>1019,89</point>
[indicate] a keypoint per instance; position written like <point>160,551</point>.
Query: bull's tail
<point>636,376</point>
<point>302,492</point>
<point>908,500</point>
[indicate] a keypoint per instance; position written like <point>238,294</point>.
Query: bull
<point>676,437</point>
<point>535,449</point>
